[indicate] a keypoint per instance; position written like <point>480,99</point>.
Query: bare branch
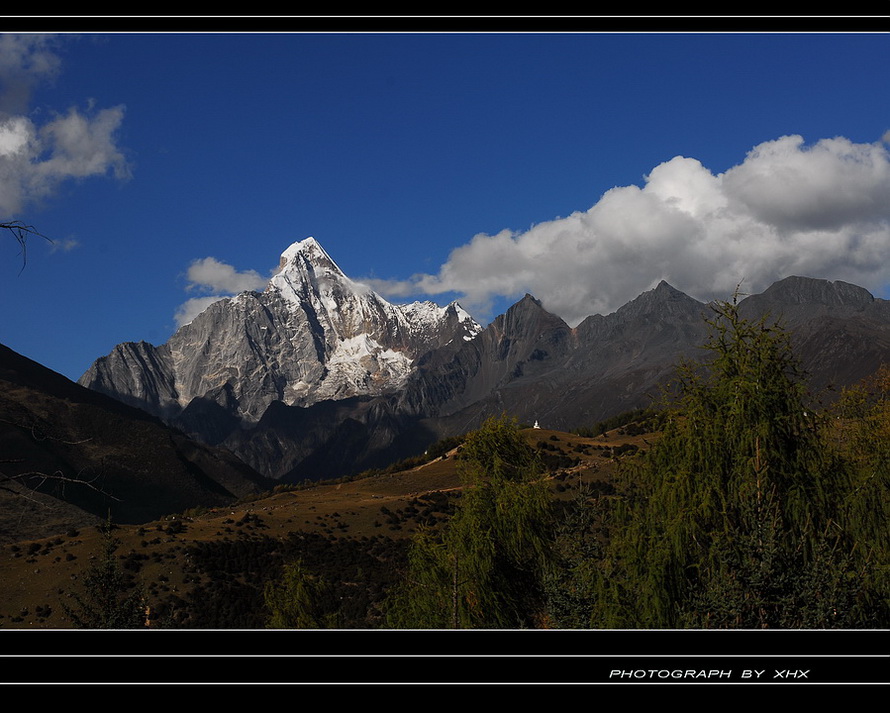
<point>24,489</point>
<point>6,482</point>
<point>38,434</point>
<point>21,232</point>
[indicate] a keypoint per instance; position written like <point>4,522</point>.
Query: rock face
<point>531,364</point>
<point>317,376</point>
<point>313,335</point>
<point>840,332</point>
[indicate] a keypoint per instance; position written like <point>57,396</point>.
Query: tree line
<point>751,510</point>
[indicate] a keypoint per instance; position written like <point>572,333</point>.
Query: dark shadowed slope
<point>92,456</point>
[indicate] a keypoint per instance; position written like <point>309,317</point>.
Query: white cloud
<point>36,159</point>
<point>221,279</point>
<point>830,185</point>
<point>788,208</point>
<point>25,61</point>
<point>64,246</point>
<point>210,273</point>
<point>81,145</point>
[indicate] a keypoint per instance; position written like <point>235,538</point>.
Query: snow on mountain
<point>313,334</point>
<point>346,308</point>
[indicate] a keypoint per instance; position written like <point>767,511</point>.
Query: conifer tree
<point>298,601</point>
<point>106,601</point>
<point>576,551</point>
<point>740,515</point>
<point>861,426</point>
<point>485,567</point>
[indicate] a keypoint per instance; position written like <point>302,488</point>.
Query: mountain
<point>840,331</point>
<point>250,367</point>
<point>531,364</point>
<point>312,335</point>
<point>91,456</point>
<point>318,376</point>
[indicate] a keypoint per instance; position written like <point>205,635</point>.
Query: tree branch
<point>7,481</point>
<point>21,232</point>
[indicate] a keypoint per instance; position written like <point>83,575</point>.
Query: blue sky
<point>580,167</point>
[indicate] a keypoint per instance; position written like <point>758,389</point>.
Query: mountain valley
<point>309,420</point>
<point>319,377</point>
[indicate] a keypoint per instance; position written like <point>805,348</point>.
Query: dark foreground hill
<point>69,455</point>
<point>207,568</point>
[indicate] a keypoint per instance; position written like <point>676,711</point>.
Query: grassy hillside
<point>206,568</point>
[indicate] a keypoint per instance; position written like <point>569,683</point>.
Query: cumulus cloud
<point>25,61</point>
<point>74,144</point>
<point>788,208</point>
<point>220,279</point>
<point>209,273</point>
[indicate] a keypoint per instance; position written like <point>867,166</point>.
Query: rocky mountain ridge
<point>530,363</point>
<point>313,335</point>
<point>318,376</point>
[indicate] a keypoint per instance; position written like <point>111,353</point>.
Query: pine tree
<point>485,568</point>
<point>298,601</point>
<point>740,515</point>
<point>576,552</point>
<point>107,602</point>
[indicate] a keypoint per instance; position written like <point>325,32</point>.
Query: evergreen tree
<point>298,601</point>
<point>107,602</point>
<point>862,429</point>
<point>485,568</point>
<point>742,513</point>
<point>576,552</point>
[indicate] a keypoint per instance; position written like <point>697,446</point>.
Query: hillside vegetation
<point>735,503</point>
<point>207,567</point>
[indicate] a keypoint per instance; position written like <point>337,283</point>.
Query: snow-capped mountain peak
<point>313,334</point>
<point>305,268</point>
<point>309,279</point>
<point>309,254</point>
